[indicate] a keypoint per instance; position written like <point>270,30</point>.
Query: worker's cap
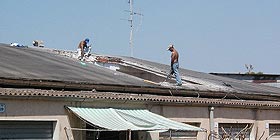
<point>87,40</point>
<point>170,46</point>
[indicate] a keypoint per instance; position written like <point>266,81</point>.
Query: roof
<point>129,119</point>
<point>249,76</point>
<point>207,81</point>
<point>49,68</point>
<point>39,64</point>
<point>265,79</point>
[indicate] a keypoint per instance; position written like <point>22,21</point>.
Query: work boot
<point>179,84</point>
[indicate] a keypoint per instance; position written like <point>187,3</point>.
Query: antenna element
<point>132,13</point>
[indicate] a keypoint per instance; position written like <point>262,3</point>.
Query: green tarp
<point>129,119</point>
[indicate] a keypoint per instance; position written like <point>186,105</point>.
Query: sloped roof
<point>40,64</point>
<point>37,64</point>
<point>206,81</point>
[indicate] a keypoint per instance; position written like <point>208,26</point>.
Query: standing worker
<point>175,64</point>
<point>81,48</point>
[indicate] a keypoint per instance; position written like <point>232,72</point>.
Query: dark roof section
<point>256,78</point>
<point>39,65</point>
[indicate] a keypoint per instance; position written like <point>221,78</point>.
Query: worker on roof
<point>84,49</point>
<point>38,43</point>
<point>175,64</point>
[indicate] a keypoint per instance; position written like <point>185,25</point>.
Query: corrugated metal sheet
<point>207,81</point>
<point>37,67</point>
<point>36,63</point>
<point>125,119</point>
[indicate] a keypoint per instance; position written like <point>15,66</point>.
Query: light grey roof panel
<point>208,79</point>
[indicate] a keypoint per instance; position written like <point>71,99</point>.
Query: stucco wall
<point>29,109</point>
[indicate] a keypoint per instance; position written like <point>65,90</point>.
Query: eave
<point>93,96</point>
<point>87,86</point>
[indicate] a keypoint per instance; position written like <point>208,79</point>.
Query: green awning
<point>129,119</point>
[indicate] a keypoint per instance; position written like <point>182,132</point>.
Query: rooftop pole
<point>131,27</point>
<point>131,13</point>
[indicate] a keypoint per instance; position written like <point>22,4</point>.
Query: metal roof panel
<point>30,63</point>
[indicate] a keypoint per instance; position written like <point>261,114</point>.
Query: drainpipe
<point>211,121</point>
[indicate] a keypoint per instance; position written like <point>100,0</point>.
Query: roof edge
<point>85,86</point>
<point>90,96</point>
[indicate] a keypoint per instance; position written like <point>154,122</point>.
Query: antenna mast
<point>131,27</point>
<point>131,12</point>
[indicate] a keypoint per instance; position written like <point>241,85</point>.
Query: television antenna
<point>249,68</point>
<point>131,13</point>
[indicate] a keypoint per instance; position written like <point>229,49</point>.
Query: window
<point>35,130</point>
<point>239,130</point>
<point>274,131</point>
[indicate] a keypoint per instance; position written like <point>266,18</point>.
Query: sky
<point>210,35</point>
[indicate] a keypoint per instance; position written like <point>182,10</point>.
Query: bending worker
<point>175,64</point>
<point>83,48</point>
